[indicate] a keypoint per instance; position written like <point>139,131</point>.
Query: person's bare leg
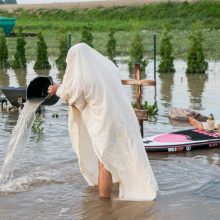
<point>105,182</point>
<point>196,124</point>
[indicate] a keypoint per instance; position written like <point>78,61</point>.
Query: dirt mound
<point>94,4</point>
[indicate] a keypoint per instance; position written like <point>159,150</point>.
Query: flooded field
<point>47,183</point>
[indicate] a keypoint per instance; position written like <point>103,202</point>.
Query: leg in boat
<point>105,182</point>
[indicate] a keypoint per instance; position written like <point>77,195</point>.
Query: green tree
<point>137,53</point>
<point>196,62</point>
<point>87,36</point>
<point>111,46</point>
<point>20,57</point>
<point>166,63</point>
<point>3,50</point>
<point>42,57</point>
<point>63,49</point>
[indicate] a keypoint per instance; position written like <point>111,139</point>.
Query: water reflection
<point>51,160</point>
<point>213,157</point>
<point>211,189</point>
<point>177,123</point>
<point>132,72</point>
<point>196,85</point>
<point>167,81</point>
<point>60,75</point>
<point>43,72</point>
<point>4,77</point>
<point>95,208</point>
<point>10,121</point>
<point>21,77</point>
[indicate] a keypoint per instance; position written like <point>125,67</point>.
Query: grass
<point>180,18</point>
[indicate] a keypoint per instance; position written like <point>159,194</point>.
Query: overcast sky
<point>50,1</point>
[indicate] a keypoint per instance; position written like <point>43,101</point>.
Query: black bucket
<point>38,90</point>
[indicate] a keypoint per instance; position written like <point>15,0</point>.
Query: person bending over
<point>103,126</point>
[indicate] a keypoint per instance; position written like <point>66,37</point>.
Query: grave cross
<point>138,82</point>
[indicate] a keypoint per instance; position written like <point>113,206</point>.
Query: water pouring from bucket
<point>37,94</point>
<point>38,90</point>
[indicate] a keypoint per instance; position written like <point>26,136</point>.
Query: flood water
<point>47,183</point>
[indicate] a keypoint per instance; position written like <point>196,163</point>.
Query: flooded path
<point>47,183</point>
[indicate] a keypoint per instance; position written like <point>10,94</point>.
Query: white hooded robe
<point>103,125</point>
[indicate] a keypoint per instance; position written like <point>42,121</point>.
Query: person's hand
<point>53,89</point>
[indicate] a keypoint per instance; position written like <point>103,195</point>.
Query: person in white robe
<point>103,127</point>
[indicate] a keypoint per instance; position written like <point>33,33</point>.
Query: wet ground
<point>47,183</point>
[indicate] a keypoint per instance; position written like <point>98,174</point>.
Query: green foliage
<point>137,53</point>
<point>177,15</point>
<point>3,50</point>
<point>111,45</point>
<point>37,128</point>
<point>63,49</point>
<point>166,63</point>
<point>87,36</point>
<point>196,62</point>
<point>152,110</point>
<point>37,125</point>
<point>42,58</point>
<point>20,57</point>
<point>180,17</point>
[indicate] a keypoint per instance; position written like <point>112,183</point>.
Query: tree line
<point>196,62</point>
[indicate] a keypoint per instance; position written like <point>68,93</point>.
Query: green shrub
<point>63,49</point>
<point>87,36</point>
<point>111,45</point>
<point>196,62</point>
<point>3,50</point>
<point>37,125</point>
<point>42,58</point>
<point>137,53</point>
<point>166,59</point>
<point>20,57</point>
<point>152,110</point>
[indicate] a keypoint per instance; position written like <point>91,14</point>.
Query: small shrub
<point>37,125</point>
<point>37,128</point>
<point>87,36</point>
<point>152,110</point>
<point>20,57</point>
<point>196,62</point>
<point>137,53</point>
<point>63,49</point>
<point>166,63</point>
<point>3,50</point>
<point>111,46</point>
<point>42,57</point>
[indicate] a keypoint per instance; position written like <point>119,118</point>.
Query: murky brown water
<point>47,183</point>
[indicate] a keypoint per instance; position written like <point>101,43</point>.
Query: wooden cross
<point>138,82</point>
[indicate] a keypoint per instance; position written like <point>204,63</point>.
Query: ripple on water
<point>182,174</point>
<point>210,189</point>
<point>40,176</point>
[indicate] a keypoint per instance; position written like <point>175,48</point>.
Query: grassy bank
<point>180,18</point>
<point>201,14</point>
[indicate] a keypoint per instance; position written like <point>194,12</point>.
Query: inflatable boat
<point>185,140</point>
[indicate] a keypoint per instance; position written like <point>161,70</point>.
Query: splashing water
<point>19,139</point>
